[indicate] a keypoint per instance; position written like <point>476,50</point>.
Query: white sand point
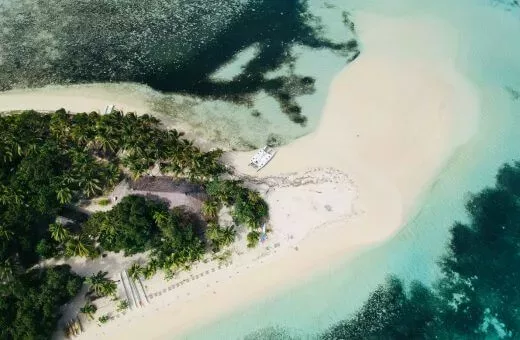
<point>392,120</point>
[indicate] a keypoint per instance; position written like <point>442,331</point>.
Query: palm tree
<point>80,134</point>
<point>108,230</point>
<point>9,269</point>
<point>135,271</point>
<point>5,233</point>
<point>64,195</point>
<point>210,209</point>
<point>7,153</point>
<point>5,194</point>
<point>89,309</point>
<point>76,247</point>
<point>122,306</point>
<point>96,282</point>
<point>58,232</point>
<point>151,268</point>
<point>193,254</point>
<point>160,217</point>
<point>213,232</point>
<point>131,118</point>
<point>227,235</point>
<point>113,175</point>
<point>138,165</point>
<point>90,186</point>
<point>252,238</point>
<point>59,125</point>
<point>105,143</point>
<point>148,120</point>
<point>109,288</point>
<point>171,143</point>
<point>10,196</point>
<point>68,178</point>
<point>101,285</point>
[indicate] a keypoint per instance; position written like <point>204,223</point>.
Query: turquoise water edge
<point>488,56</point>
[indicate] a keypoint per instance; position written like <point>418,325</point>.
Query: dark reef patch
<point>271,333</point>
<point>477,296</point>
<point>172,46</point>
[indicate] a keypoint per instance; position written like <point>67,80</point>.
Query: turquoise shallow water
<point>489,56</point>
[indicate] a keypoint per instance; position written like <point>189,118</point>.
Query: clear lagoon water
<point>246,68</point>
<point>489,56</point>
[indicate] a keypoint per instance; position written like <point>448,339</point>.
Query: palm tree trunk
<point>129,292</point>
<point>139,284</point>
<point>134,288</point>
<point>124,288</point>
<point>135,295</point>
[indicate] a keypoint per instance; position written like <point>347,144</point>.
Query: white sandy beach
<point>392,120</point>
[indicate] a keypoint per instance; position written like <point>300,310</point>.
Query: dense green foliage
<point>104,318</point>
<point>50,160</point>
<point>248,207</point>
<point>129,226</point>
<point>41,170</point>
<point>220,236</point>
<point>138,224</point>
<point>478,295</point>
<point>253,237</point>
<point>100,285</point>
<point>29,304</point>
<point>89,309</point>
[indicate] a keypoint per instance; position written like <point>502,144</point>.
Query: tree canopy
<point>29,304</point>
<point>138,224</point>
<point>248,206</point>
<point>50,162</point>
<point>129,226</point>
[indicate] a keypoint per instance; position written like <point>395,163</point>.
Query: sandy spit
<point>392,120</point>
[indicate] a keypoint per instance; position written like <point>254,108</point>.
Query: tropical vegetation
<point>104,318</point>
<point>138,224</point>
<point>122,306</point>
<point>30,301</point>
<point>51,162</point>
<point>100,285</point>
<point>220,236</point>
<point>89,309</point>
<point>247,205</point>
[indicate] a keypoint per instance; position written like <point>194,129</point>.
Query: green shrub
<point>104,202</point>
<point>104,318</point>
<point>253,237</point>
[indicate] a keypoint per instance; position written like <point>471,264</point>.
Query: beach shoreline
<point>391,122</point>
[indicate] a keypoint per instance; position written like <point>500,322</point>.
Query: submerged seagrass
<point>172,46</point>
<point>478,294</point>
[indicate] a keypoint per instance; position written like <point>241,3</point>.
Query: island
<point>57,169</point>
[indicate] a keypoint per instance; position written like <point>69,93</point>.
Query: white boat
<point>262,157</point>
